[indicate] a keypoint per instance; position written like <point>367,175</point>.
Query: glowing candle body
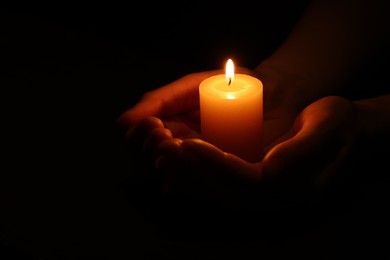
<point>232,114</point>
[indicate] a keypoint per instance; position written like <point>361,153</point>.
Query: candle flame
<point>229,71</point>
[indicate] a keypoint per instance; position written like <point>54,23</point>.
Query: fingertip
<point>154,139</point>
<point>140,132</point>
<point>146,124</point>
<point>192,145</point>
<point>196,144</point>
<point>133,116</point>
<point>170,143</point>
<point>198,148</point>
<point>126,119</point>
<point>171,147</point>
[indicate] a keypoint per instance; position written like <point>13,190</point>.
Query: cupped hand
<point>305,161</point>
<point>301,152</point>
<point>311,155</point>
<point>176,105</point>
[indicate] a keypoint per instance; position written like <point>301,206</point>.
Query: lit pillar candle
<point>231,113</point>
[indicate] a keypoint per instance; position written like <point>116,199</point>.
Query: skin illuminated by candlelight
<point>311,128</point>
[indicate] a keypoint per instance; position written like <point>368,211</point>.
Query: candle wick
<point>230,81</point>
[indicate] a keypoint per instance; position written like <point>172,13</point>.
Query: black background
<point>68,71</point>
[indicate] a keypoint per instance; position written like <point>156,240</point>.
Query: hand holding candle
<point>165,127</point>
<point>309,135</point>
<point>231,109</point>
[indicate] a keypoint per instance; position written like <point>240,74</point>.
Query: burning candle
<point>231,113</point>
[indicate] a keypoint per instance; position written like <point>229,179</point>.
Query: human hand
<point>177,107</point>
<point>171,114</point>
<point>299,168</point>
<point>165,126</point>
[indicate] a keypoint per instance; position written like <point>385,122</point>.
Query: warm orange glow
<point>230,96</point>
<point>229,71</point>
<point>231,113</point>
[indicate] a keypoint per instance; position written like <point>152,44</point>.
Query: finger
<point>182,129</point>
<point>171,154</point>
<point>318,135</point>
<point>137,135</point>
<point>307,146</point>
<point>228,164</point>
<point>214,174</point>
<point>179,96</point>
<point>154,139</point>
